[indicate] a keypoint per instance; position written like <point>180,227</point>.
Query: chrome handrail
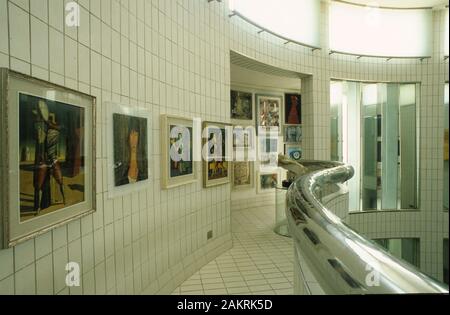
<point>340,259</point>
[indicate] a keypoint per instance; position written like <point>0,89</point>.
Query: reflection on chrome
<point>341,260</point>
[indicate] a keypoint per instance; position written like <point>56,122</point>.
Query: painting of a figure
<point>241,106</point>
<point>269,109</point>
<point>293,109</point>
<point>217,164</point>
<point>130,149</point>
<point>180,147</point>
<point>51,139</point>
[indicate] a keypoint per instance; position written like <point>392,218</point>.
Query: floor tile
<point>260,262</point>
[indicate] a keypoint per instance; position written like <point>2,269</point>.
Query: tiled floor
<point>260,262</point>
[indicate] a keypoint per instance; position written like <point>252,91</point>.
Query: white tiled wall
<point>172,56</point>
<point>431,223</point>
<point>168,56</point>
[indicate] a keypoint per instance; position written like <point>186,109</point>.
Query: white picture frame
<point>236,94</point>
<point>261,184</point>
<point>269,113</point>
<point>170,180</point>
<point>116,113</point>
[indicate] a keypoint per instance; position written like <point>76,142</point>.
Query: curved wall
<point>173,56</point>
<point>430,224</point>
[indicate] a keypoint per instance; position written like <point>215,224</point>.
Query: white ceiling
<point>401,3</point>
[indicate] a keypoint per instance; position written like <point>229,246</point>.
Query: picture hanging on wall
<point>244,137</point>
<point>294,152</point>
<point>269,113</point>
<point>293,134</point>
<point>241,107</point>
<point>177,147</point>
<point>217,154</point>
<point>293,109</point>
<point>128,150</point>
<point>47,156</point>
<point>243,173</point>
<point>267,182</point>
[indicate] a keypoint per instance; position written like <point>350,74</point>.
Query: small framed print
<point>177,146</point>
<point>241,107</point>
<point>293,109</point>
<point>267,181</point>
<point>294,152</point>
<point>244,137</point>
<point>269,109</point>
<point>217,154</point>
<point>268,145</point>
<point>47,148</point>
<point>243,175</point>
<point>128,148</point>
<point>293,134</point>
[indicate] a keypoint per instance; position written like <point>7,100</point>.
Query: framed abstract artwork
<point>243,175</point>
<point>294,152</point>
<point>269,109</point>
<point>241,107</point>
<point>177,147</point>
<point>47,149</point>
<point>293,134</point>
<point>267,181</point>
<point>217,154</point>
<point>128,148</point>
<point>293,109</point>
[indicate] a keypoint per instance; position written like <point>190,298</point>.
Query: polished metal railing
<point>340,259</point>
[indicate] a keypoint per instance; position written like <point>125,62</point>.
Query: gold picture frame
<point>47,147</point>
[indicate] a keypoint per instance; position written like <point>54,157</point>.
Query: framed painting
<point>293,109</point>
<point>47,156</point>
<point>128,148</point>
<point>267,181</point>
<point>177,147</point>
<point>268,144</point>
<point>269,110</point>
<point>217,154</point>
<point>293,134</point>
<point>241,107</point>
<point>294,152</point>
<point>244,137</point>
<point>243,175</point>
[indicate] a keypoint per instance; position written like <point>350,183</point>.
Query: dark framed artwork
<point>241,106</point>
<point>293,109</point>
<point>47,150</point>
<point>128,154</point>
<point>293,134</point>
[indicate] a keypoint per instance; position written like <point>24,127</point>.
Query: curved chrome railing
<point>341,260</point>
